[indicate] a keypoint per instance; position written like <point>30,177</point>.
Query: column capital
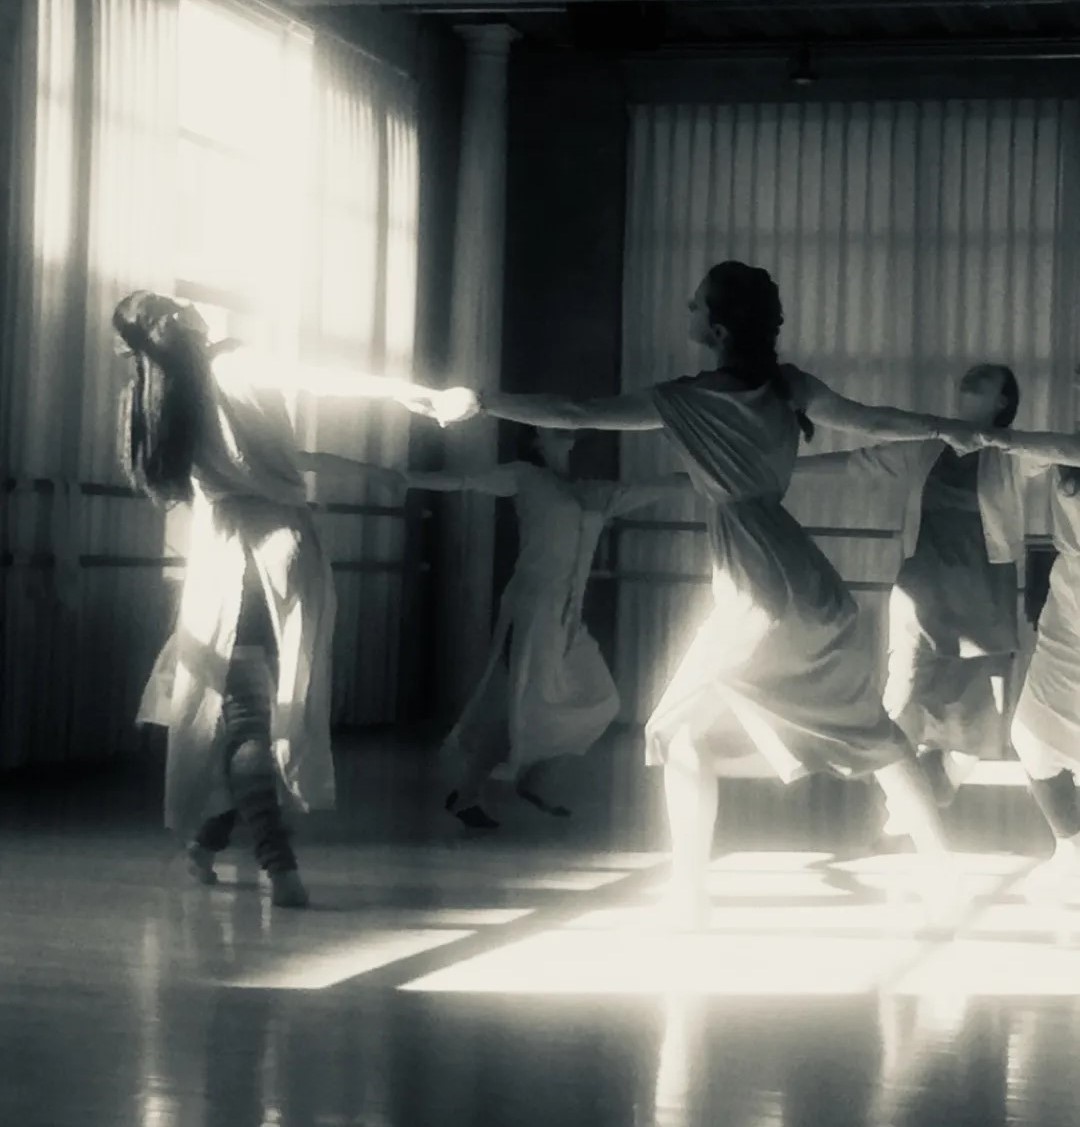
<point>490,39</point>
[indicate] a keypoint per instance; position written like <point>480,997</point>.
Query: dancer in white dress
<point>953,629</point>
<point>779,649</point>
<point>1046,723</point>
<point>554,697</point>
<point>243,686</point>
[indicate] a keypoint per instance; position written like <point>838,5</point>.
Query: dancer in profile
<point>779,648</point>
<point>545,692</point>
<point>1046,723</point>
<point>244,684</point>
<point>953,630</point>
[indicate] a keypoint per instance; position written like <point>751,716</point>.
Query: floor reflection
<point>493,985</point>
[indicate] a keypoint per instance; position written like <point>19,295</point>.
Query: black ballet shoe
<point>476,818</point>
<point>451,801</point>
<point>540,804</point>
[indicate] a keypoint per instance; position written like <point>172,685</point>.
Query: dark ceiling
<point>1041,28</point>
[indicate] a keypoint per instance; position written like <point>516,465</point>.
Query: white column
<point>476,353</point>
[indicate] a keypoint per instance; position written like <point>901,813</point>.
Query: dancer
<point>555,696</point>
<point>779,648</point>
<point>953,630</point>
<point>244,684</point>
<point>1046,723</point>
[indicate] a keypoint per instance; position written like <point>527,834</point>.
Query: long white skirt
<point>555,699</point>
<point>1046,725</point>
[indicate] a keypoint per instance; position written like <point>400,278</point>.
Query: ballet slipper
<point>200,863</point>
<point>541,804</point>
<point>287,890</point>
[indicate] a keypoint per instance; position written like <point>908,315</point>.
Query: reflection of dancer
<point>779,649</point>
<point>555,696</point>
<point>244,684</point>
<point>1046,724</point>
<point>952,611</point>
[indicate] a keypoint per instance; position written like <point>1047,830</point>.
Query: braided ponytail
<point>746,302</point>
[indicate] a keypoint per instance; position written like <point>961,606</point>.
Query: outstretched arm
<point>835,463</point>
<point>1049,448</point>
<point>334,465</point>
<point>633,411</point>
<point>886,459</point>
<point>500,481</point>
<point>890,424</point>
<point>638,495</point>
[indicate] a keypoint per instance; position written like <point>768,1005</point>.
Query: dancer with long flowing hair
<point>243,685</point>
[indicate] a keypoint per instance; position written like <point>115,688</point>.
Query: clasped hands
<point>446,406</point>
<point>965,438</point>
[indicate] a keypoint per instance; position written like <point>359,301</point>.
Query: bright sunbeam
<point>331,966</point>
<point>615,962</point>
<point>853,937</point>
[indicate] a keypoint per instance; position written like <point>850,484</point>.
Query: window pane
<point>230,70</point>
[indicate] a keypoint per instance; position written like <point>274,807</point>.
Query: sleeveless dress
<point>555,695</point>
<point>779,649</point>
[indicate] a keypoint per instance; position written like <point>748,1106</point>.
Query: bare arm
<point>1044,448</point>
<point>891,424</point>
<point>638,495</point>
<point>335,465</point>
<point>885,459</point>
<point>634,411</point>
<point>500,481</point>
<point>835,463</point>
<point>314,462</point>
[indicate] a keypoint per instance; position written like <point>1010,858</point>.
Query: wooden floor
<point>518,979</point>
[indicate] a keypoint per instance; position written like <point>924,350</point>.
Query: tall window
<point>296,209</point>
<point>243,165</point>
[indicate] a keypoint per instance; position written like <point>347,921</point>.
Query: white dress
<point>249,502</point>
<point>778,653</point>
<point>1048,712</point>
<point>555,695</point>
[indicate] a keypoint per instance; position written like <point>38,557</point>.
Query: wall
<point>49,723</point>
<point>441,78</point>
<point>566,182</point>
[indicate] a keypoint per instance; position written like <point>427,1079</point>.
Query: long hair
<point>746,302</point>
<point>163,404</point>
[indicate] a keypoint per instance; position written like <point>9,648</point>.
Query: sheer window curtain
<point>98,209</point>
<point>909,240</point>
<point>360,310</point>
<point>90,218</point>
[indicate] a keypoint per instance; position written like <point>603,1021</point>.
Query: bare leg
<point>690,790</point>
<point>911,801</point>
<point>1053,786</point>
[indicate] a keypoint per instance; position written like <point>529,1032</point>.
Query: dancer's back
<point>740,445</point>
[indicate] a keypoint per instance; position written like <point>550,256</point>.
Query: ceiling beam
<point>719,7</point>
